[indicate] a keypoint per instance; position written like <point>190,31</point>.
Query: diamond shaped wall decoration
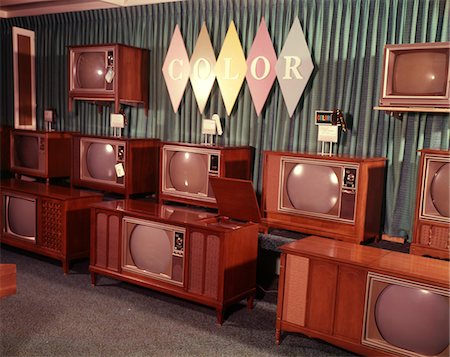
<point>203,63</point>
<point>261,63</point>
<point>176,68</point>
<point>294,66</point>
<point>231,68</point>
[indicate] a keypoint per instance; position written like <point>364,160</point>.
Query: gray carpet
<point>57,315</point>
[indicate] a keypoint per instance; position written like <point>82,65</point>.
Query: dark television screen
<point>414,319</point>
<point>100,161</point>
<point>90,70</point>
<point>22,216</point>
<point>420,73</point>
<point>188,172</point>
<point>26,151</point>
<point>151,249</point>
<point>313,188</point>
<point>440,190</point>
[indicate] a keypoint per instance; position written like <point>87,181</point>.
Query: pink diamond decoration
<point>261,63</point>
<point>294,66</point>
<point>203,62</point>
<point>176,68</point>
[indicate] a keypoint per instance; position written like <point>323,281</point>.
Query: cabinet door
<point>321,295</point>
<point>106,244</point>
<point>350,298</point>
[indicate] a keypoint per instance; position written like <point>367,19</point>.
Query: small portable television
<point>323,195</point>
<point>406,317</point>
<point>121,165</point>
<point>19,217</point>
<point>416,74</point>
<point>186,168</point>
<point>40,153</point>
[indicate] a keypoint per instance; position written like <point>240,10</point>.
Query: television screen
<point>26,151</point>
<point>153,249</point>
<point>430,70</point>
<point>440,190</point>
<point>21,217</point>
<point>100,161</point>
<point>188,172</point>
<point>90,70</point>
<point>407,317</point>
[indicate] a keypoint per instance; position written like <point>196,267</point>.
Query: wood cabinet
<point>50,220</point>
<point>207,261</point>
<point>111,73</point>
<point>324,290</point>
<point>431,235</point>
<point>338,197</point>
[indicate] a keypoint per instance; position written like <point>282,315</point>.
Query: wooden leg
<point>250,301</point>
<point>219,316</point>
<point>277,336</point>
<point>65,266</point>
<point>93,279</point>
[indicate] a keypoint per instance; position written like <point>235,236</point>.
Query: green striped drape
<point>345,37</point>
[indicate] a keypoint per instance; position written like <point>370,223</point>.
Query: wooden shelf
<point>413,109</point>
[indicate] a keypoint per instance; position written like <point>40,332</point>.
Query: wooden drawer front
<point>203,264</point>
<point>295,289</point>
<point>52,225</point>
<point>321,296</point>
<point>107,241</point>
<point>350,298</point>
<point>435,236</point>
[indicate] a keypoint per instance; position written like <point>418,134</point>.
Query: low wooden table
<point>7,279</point>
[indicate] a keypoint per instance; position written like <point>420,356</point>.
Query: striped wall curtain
<point>346,40</point>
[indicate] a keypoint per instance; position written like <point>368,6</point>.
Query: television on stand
<point>121,165</point>
<point>186,168</point>
<point>416,75</point>
<point>331,196</point>
<point>432,214</point>
<point>42,154</point>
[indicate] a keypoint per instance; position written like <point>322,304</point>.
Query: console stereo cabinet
<point>327,287</point>
<point>53,221</point>
<point>432,214</point>
<point>185,252</point>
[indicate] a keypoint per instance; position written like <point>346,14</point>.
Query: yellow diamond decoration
<point>231,68</point>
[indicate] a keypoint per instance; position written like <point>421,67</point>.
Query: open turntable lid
<point>236,199</point>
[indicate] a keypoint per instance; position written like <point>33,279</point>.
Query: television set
<point>336,197</point>
<point>186,168</point>
<point>406,317</point>
<point>153,249</point>
<point>19,216</point>
<point>415,75</point>
<point>108,73</point>
<point>122,165</point>
<point>39,153</point>
<point>432,215</point>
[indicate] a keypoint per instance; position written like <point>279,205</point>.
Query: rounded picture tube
<point>90,70</point>
<point>101,161</point>
<point>188,172</point>
<point>440,190</point>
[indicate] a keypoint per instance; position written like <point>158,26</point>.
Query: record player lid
<point>236,199</point>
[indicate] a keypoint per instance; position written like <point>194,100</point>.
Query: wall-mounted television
<point>121,165</point>
<point>108,72</point>
<point>337,197</point>
<point>432,214</point>
<point>19,216</point>
<point>39,153</point>
<point>153,249</point>
<point>416,74</point>
<point>185,170</point>
<point>405,317</point>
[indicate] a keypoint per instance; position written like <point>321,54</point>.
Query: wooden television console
<point>330,196</point>
<point>185,252</point>
<point>324,292</point>
<point>62,219</point>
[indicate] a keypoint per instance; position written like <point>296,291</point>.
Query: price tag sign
<point>328,133</point>
<point>120,172</point>
<point>208,127</point>
<point>117,121</point>
<point>48,116</point>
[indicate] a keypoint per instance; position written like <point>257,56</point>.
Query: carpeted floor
<point>57,315</point>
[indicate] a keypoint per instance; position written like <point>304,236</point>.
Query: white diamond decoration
<point>294,67</point>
